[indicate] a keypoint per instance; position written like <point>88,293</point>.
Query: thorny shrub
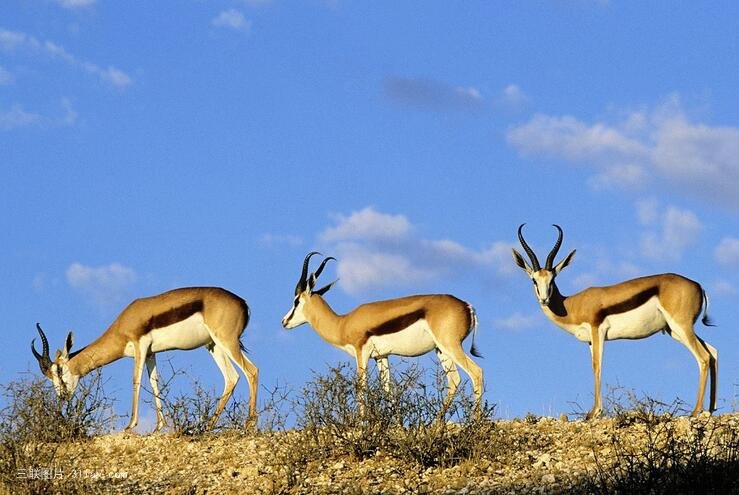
<point>412,420</point>
<point>34,422</point>
<point>690,455</point>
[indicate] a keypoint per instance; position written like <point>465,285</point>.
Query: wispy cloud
<point>75,4</point>
<point>12,41</point>
<point>669,233</point>
<point>17,117</point>
<point>434,95</point>
<point>377,250</point>
<point>232,19</point>
<point>642,147</point>
<point>105,285</point>
<point>512,95</point>
<point>727,252</point>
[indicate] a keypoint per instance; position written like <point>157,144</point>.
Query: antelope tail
<point>473,327</point>
<point>706,320</point>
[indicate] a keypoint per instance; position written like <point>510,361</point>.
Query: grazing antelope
<point>183,319</point>
<point>408,326</point>
<point>634,309</point>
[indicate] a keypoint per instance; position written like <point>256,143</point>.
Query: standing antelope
<point>408,326</point>
<point>183,319</point>
<point>634,309</point>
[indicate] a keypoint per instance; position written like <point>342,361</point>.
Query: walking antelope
<point>407,326</point>
<point>183,319</point>
<point>634,309</point>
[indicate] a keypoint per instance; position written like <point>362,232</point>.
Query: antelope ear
<point>521,262</point>
<point>311,282</point>
<point>564,262</point>
<point>68,344</point>
<point>325,288</point>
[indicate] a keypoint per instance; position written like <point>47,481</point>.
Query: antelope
<point>184,319</point>
<point>634,309</point>
<point>408,326</point>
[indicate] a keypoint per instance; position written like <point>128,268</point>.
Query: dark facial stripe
<point>174,315</point>
<point>631,303</point>
<point>397,324</point>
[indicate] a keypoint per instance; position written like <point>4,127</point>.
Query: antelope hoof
<point>594,414</point>
<point>251,423</point>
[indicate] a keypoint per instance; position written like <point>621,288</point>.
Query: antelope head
<point>58,371</point>
<point>542,278</point>
<point>304,289</point>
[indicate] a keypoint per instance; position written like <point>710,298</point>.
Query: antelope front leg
<point>596,357</point>
<point>138,370</point>
<point>361,381</point>
<point>151,368</point>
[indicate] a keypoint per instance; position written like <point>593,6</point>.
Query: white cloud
<point>618,177</point>
<point>17,117</point>
<point>367,224</point>
<point>5,77</point>
<point>727,252</point>
<point>674,232</point>
<point>105,285</point>
<point>114,76</point>
<point>647,211</point>
<point>232,19</point>
<point>512,95</point>
<point>11,41</point>
<point>378,250</point>
<point>657,145</point>
<point>605,271</point>
<point>516,321</point>
<point>361,269</point>
<point>75,4</point>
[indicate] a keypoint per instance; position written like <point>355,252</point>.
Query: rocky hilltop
<point>530,455</point>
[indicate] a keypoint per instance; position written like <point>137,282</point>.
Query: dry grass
<point>408,440</point>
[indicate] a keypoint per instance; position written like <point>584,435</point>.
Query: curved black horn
<point>44,361</point>
<point>555,249</point>
<point>323,263</point>
<point>44,342</point>
<point>300,287</point>
<point>534,261</point>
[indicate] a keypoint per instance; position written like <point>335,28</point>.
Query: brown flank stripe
<point>397,324</point>
<point>174,315</point>
<point>631,303</point>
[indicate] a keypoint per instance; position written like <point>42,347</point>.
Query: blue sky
<point>145,148</point>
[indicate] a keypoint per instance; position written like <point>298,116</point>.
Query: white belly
<point>186,334</point>
<point>635,324</point>
<point>412,341</point>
